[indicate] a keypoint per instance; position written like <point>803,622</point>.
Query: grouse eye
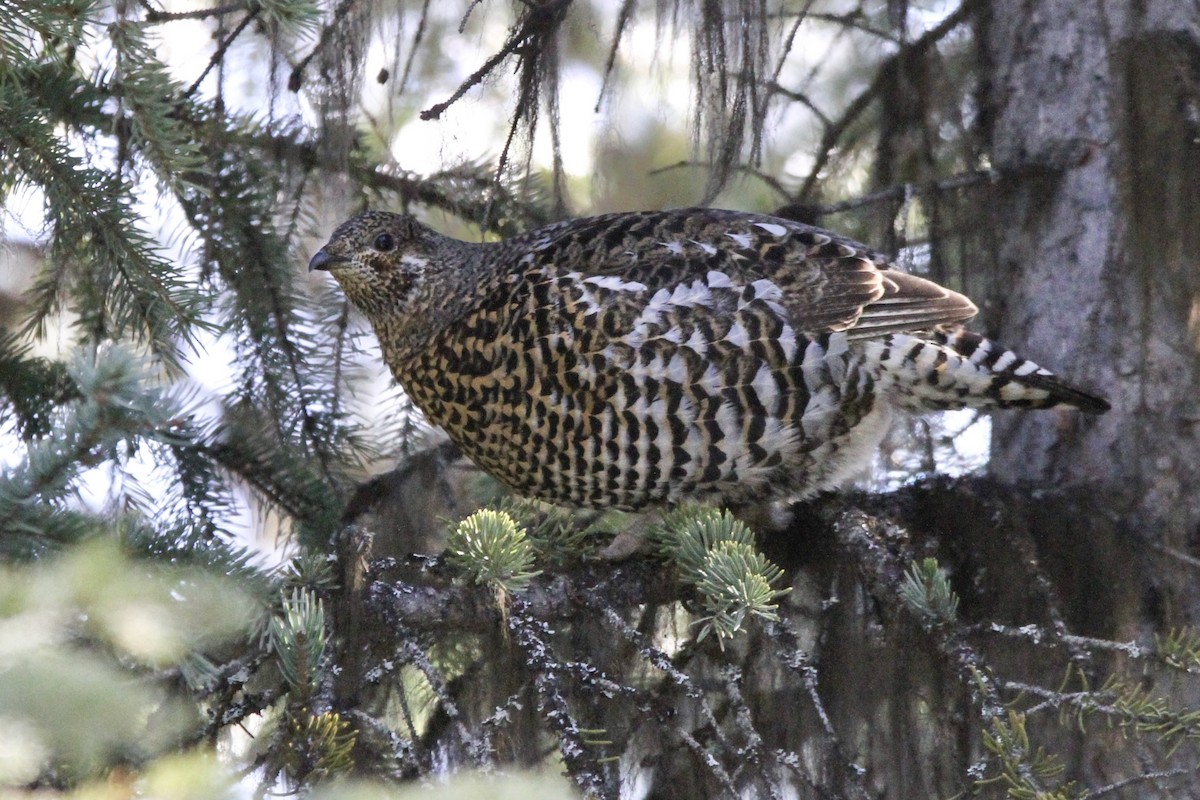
<point>384,242</point>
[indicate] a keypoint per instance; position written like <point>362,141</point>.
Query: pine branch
<point>115,406</point>
<point>32,388</point>
<point>121,284</point>
<point>148,112</point>
<point>832,137</point>
<point>532,637</point>
<point>423,607</point>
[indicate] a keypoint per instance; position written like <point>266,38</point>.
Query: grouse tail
<point>955,368</point>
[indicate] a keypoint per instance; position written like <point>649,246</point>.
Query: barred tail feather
<point>956,368</point>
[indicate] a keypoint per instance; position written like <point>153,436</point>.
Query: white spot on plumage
<point>606,424</point>
<point>787,341</point>
<point>1005,361</point>
<point>764,387</point>
<point>813,368</point>
<point>854,452</point>
<point>981,352</point>
<point>673,335</point>
<point>614,284</point>
<point>822,406</point>
<point>727,419</point>
<point>765,291</point>
<point>835,357</point>
<point>658,413</point>
<point>676,369</point>
<point>695,293</point>
<point>709,250</point>
<point>649,320</point>
<point>738,336</point>
<point>698,342</point>
<point>839,344</point>
<point>1015,391</point>
<point>718,280</point>
<point>1029,368</point>
<point>772,228</point>
<point>742,239</point>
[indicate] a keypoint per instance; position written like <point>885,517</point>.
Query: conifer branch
<point>155,17</point>
<point>832,137</point>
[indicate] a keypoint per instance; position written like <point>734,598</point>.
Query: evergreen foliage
<point>148,650</point>
<point>716,554</point>
<point>493,551</point>
<point>928,591</point>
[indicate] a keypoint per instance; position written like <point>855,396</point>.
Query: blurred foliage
<point>92,643</point>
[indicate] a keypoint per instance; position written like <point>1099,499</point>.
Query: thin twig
<point>769,180</point>
<point>854,19</point>
<point>789,40</point>
<point>802,99</point>
<point>531,637</point>
<point>462,24</point>
<point>219,55</point>
<point>847,775</point>
<point>859,104</point>
<point>154,16</point>
<point>1037,635</point>
<point>882,564</point>
<point>623,17</point>
<point>411,653</point>
<point>719,772</point>
<point>662,662</point>
<point>752,751</point>
<point>1178,555</point>
<point>1027,555</point>
<point>296,79</point>
<point>1136,779</point>
<point>546,17</point>
<point>418,36</point>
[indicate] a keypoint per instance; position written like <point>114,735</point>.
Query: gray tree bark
<point>1100,253</point>
<point>1097,106</point>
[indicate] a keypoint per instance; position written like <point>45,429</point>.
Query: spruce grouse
<point>637,359</point>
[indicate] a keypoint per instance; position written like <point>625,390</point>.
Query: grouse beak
<point>324,260</point>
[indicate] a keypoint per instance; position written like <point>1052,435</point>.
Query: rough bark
<point>1100,257</point>
<point>1099,260</point>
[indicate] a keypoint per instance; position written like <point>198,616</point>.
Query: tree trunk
<point>1100,253</point>
<point>1097,107</point>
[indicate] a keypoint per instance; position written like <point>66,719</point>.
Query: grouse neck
<point>459,278</point>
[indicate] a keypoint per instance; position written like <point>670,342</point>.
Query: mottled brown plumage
<point>636,359</point>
